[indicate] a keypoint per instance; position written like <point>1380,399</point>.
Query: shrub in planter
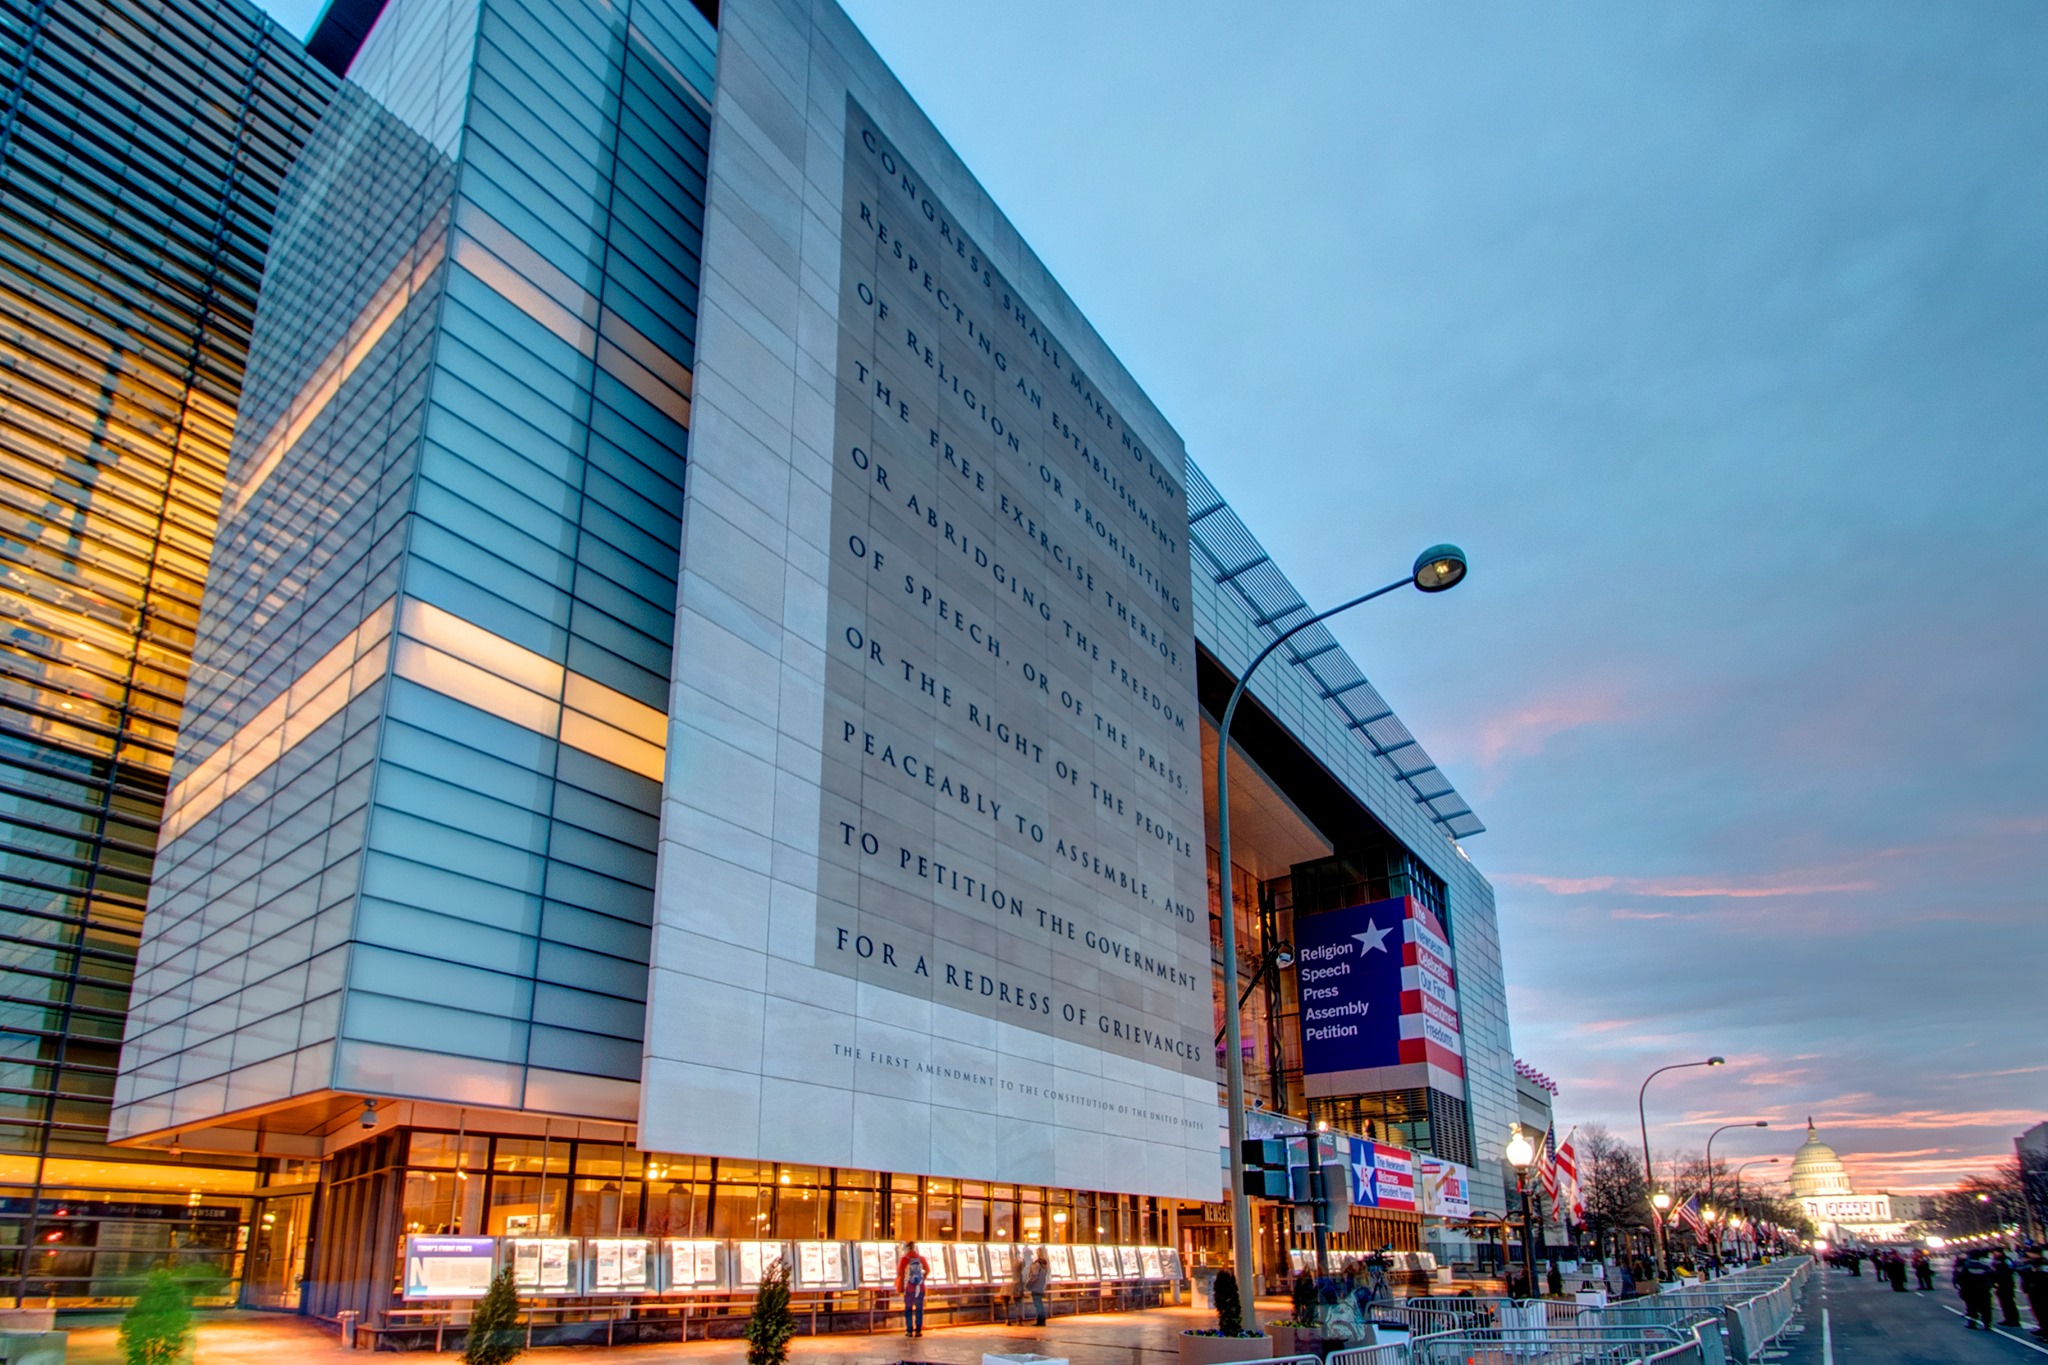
<point>158,1325</point>
<point>1229,1307</point>
<point>1228,1341</point>
<point>771,1324</point>
<point>494,1337</point>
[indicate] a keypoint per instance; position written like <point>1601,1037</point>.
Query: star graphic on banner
<point>1374,938</point>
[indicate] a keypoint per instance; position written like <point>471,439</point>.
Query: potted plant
<point>771,1324</point>
<point>1228,1341</point>
<point>1297,1334</point>
<point>494,1337</point>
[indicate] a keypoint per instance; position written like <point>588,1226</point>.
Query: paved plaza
<point>1144,1338</point>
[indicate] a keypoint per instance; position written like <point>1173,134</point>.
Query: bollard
<point>347,1318</point>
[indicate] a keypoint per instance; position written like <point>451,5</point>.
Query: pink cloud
<point>1679,888</point>
<point>1524,730</point>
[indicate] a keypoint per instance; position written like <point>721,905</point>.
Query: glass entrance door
<point>277,1253</point>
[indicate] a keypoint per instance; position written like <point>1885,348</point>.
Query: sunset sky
<point>1718,336</point>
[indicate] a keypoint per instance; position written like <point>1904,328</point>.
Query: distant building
<point>1822,1186</point>
<point>1535,1095</point>
<point>2031,1147</point>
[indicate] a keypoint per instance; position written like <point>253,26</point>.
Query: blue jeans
<point>913,1309</point>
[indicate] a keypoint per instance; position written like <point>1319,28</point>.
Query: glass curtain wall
<point>142,147</point>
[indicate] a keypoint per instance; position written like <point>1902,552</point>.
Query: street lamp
<point>1759,1123</point>
<point>1649,1173</point>
<point>1520,1153</point>
<point>1436,569</point>
<point>1754,1161</point>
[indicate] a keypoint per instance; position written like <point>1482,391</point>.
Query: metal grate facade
<point>1233,557</point>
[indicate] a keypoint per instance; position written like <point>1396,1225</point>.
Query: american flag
<point>1546,1166</point>
<point>1688,1213</point>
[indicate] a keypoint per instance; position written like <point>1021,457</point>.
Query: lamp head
<point>1439,567</point>
<point>1520,1151</point>
<point>1763,1123</point>
<point>1283,956</point>
<point>1717,1061</point>
<point>1661,1200</point>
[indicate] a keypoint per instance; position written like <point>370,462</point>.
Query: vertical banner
<point>1377,993</point>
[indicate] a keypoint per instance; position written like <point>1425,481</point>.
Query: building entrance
<point>277,1253</point>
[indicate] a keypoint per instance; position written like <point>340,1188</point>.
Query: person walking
<point>1020,1271</point>
<point>912,1270</point>
<point>2002,1279</point>
<point>1923,1268</point>
<point>1972,1277</point>
<point>1037,1281</point>
<point>1895,1271</point>
<point>2033,1277</point>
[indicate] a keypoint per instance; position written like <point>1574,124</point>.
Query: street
<point>1853,1320</point>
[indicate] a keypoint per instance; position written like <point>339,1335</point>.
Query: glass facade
<point>142,150</point>
<point>410,848</point>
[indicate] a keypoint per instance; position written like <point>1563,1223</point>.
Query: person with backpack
<point>1038,1280</point>
<point>911,1272</point>
<point>1973,1280</point>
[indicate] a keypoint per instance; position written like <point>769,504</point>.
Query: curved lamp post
<point>1649,1172</point>
<point>1758,1123</point>
<point>1436,569</point>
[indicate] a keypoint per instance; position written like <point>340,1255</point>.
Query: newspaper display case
<point>750,1261</point>
<point>969,1265</point>
<point>449,1267</point>
<point>619,1265</point>
<point>938,1273</point>
<point>822,1265</point>
<point>1087,1265</point>
<point>545,1266</point>
<point>693,1264</point>
<point>877,1263</point>
<point>1062,1258</point>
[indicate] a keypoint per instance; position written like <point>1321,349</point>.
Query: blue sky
<point>1717,335</point>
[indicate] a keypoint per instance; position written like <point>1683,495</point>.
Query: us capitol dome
<point>1821,1185</point>
<point>1816,1170</point>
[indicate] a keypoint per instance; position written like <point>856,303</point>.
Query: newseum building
<point>700,743</point>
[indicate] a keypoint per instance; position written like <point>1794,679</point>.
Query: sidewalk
<point>1151,1337</point>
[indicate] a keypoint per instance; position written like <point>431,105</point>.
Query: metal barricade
<point>1544,1346</point>
<point>1385,1353</point>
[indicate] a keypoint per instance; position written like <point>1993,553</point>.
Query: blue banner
<point>1348,966</point>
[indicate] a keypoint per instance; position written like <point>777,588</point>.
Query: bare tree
<point>1611,1179</point>
<point>1981,1203</point>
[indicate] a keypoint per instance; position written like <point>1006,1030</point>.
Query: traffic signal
<point>1265,1168</point>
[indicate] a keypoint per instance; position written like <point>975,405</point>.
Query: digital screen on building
<point>1006,872</point>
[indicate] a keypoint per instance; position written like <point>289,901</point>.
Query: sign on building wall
<point>1379,1000</point>
<point>977,938</point>
<point>1443,1189</point>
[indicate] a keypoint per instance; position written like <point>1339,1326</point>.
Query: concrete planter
<point>1200,1350</point>
<point>1286,1337</point>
